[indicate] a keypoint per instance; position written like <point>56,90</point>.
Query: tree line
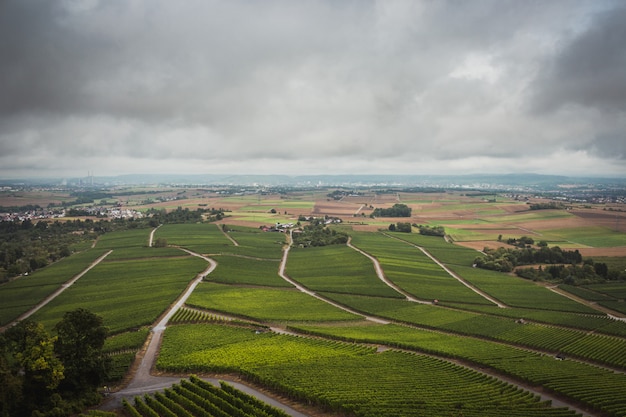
<point>43,375</point>
<point>555,264</point>
<point>317,234</point>
<point>397,210</point>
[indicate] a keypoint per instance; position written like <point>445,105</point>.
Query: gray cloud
<point>590,70</point>
<point>284,87</point>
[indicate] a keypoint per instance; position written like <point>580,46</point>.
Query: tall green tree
<point>81,337</point>
<point>29,369</point>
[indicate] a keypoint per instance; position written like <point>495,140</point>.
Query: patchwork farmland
<point>323,329</point>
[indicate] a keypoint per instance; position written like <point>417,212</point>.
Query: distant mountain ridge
<point>482,181</point>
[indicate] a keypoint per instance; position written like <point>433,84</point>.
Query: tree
<point>404,227</point>
<point>81,336</point>
<point>160,242</point>
<point>31,371</point>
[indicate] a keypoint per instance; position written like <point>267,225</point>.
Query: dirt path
<point>611,313</point>
<point>381,275</point>
<point>143,382</point>
<point>454,275</point>
<point>151,239</point>
<point>281,273</point>
<point>229,237</point>
<point>55,294</point>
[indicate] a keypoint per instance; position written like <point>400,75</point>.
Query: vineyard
<point>336,375</point>
<point>343,341</point>
<point>19,295</point>
<point>197,398</point>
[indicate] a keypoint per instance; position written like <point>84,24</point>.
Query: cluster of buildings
<point>59,213</point>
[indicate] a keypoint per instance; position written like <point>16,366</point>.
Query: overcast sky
<point>312,87</point>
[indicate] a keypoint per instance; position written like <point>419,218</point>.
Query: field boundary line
<point>227,235</point>
<point>611,313</point>
<point>149,358</point>
<point>56,293</point>
<point>453,274</point>
<point>381,275</point>
<point>301,288</point>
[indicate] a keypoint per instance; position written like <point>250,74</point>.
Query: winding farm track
<point>556,402</point>
<point>381,275</point>
<point>281,273</point>
<point>143,382</point>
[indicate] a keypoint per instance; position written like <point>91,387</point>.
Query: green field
<point>205,238</point>
<point>443,358</point>
<point>127,294</point>
<point>20,295</point>
<point>265,304</point>
<point>409,268</point>
<point>247,271</point>
<point>346,377</point>
<point>336,268</point>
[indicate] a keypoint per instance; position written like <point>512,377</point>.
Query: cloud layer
<point>290,87</point>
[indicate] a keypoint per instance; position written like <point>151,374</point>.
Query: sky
<point>304,87</point>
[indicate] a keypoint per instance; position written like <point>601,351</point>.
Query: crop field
<point>324,343</point>
<point>247,271</point>
<point>518,292</point>
<point>265,304</point>
<point>256,243</point>
<point>616,290</point>
<point>412,270</point>
<point>134,238</point>
<point>19,295</point>
<point>345,376</point>
<point>195,397</point>
<point>143,252</point>
<point>127,294</point>
<point>203,238</point>
<point>342,270</point>
<point>598,388</point>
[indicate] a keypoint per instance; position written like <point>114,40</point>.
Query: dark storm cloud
<point>352,86</point>
<point>591,69</point>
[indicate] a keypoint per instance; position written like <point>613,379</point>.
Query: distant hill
<point>476,181</point>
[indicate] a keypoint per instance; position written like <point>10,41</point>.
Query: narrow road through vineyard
<point>143,382</point>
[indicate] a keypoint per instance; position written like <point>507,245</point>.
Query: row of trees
<point>319,235</point>
<point>506,259</point>
<point>407,227</point>
<point>587,273</point>
<point>404,227</point>
<point>27,246</point>
<point>397,210</point>
<point>44,375</point>
<point>184,215</point>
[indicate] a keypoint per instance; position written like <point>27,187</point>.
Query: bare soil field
<point>614,220</point>
<point>40,198</point>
